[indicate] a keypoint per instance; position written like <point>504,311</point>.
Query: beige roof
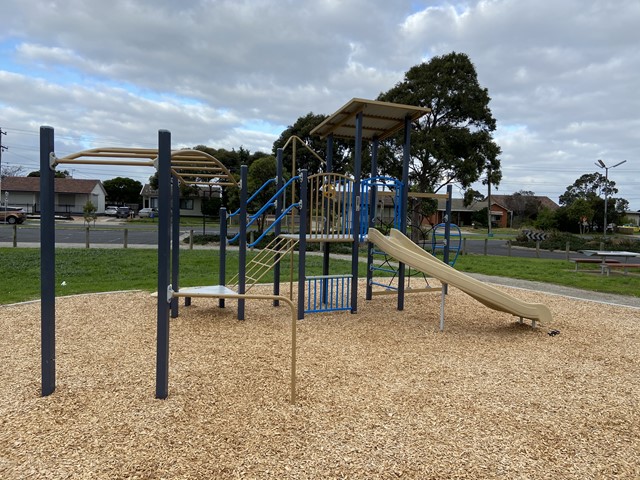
<point>380,119</point>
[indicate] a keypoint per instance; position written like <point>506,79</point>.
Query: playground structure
<point>322,208</point>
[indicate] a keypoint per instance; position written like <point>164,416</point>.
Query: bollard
<point>191,239</point>
<point>86,237</point>
<point>566,249</point>
<point>464,247</point>
<point>15,236</point>
<point>486,244</point>
<point>126,238</point>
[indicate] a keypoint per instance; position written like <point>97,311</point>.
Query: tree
<point>305,159</point>
<point>89,212</point>
<point>11,171</point>
<point>525,206</point>
<point>57,174</point>
<point>584,198</point>
<point>121,190</point>
<point>453,143</point>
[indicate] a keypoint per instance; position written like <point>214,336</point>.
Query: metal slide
<point>404,250</point>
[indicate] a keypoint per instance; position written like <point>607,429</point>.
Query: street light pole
<point>601,164</point>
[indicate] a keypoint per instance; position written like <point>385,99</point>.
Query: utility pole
<point>2,149</point>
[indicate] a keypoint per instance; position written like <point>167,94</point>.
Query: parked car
<point>111,211</point>
<point>148,213</point>
<point>124,212</point>
<point>12,215</point>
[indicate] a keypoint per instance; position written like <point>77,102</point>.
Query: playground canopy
<point>380,120</point>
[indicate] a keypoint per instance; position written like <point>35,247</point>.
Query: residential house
<point>71,195</point>
<point>190,205</point>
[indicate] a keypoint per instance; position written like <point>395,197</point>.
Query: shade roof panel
<point>380,120</point>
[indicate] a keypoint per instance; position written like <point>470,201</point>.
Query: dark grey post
<point>406,158</point>
<point>175,243</point>
<point>242,254</point>
<point>326,245</point>
<point>373,198</point>
<point>164,239</point>
<point>278,228</point>
<point>222,272</point>
<point>302,243</point>
<point>47,264</point>
<point>357,172</point>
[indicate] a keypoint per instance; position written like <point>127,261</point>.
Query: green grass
<point>558,272</point>
<point>99,270</point>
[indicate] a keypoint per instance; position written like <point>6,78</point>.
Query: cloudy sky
<point>563,75</point>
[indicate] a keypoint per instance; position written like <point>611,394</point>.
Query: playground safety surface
<point>381,394</point>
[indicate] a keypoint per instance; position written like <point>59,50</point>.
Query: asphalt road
<point>111,232</point>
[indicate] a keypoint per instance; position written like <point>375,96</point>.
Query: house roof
<point>61,185</point>
<point>380,120</point>
<point>544,201</point>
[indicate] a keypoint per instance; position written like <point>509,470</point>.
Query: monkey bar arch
<point>190,167</point>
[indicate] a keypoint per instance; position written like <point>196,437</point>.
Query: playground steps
<point>265,260</point>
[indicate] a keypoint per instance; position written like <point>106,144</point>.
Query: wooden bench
<point>592,260</point>
<point>607,267</point>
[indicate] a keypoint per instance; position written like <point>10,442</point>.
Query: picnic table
<point>607,259</point>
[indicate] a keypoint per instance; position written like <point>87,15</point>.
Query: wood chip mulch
<point>381,394</point>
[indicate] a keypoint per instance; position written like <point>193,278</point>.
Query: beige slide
<point>404,250</point>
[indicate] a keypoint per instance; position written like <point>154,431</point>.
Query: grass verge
<point>99,270</point>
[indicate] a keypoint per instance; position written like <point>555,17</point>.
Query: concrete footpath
<point>588,295</point>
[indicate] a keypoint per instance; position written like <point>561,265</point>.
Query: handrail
<point>270,227</point>
<point>253,195</point>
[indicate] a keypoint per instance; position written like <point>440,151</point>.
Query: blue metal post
<point>357,173</point>
<point>175,243</point>
<point>373,198</point>
<point>278,228</point>
<point>222,273</point>
<point>406,158</point>
<point>47,263</point>
<point>164,240</point>
<point>242,239</point>
<point>302,243</point>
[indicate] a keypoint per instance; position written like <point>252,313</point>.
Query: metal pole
<point>373,198</point>
<point>222,272</point>
<point>47,263</point>
<point>242,239</point>
<point>164,240</point>
<point>406,159</point>
<point>175,243</point>
<point>357,173</point>
<point>302,244</point>
<point>278,228</point>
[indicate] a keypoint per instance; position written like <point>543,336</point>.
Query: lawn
<point>98,270</point>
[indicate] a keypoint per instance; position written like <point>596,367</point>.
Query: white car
<point>148,213</point>
<point>111,211</point>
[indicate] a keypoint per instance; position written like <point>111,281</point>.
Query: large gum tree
<point>454,143</point>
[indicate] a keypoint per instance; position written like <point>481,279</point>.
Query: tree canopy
<point>304,159</point>
<point>122,190</point>
<point>453,143</point>
<point>585,199</point>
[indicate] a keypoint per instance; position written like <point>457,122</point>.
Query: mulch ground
<point>381,394</point>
